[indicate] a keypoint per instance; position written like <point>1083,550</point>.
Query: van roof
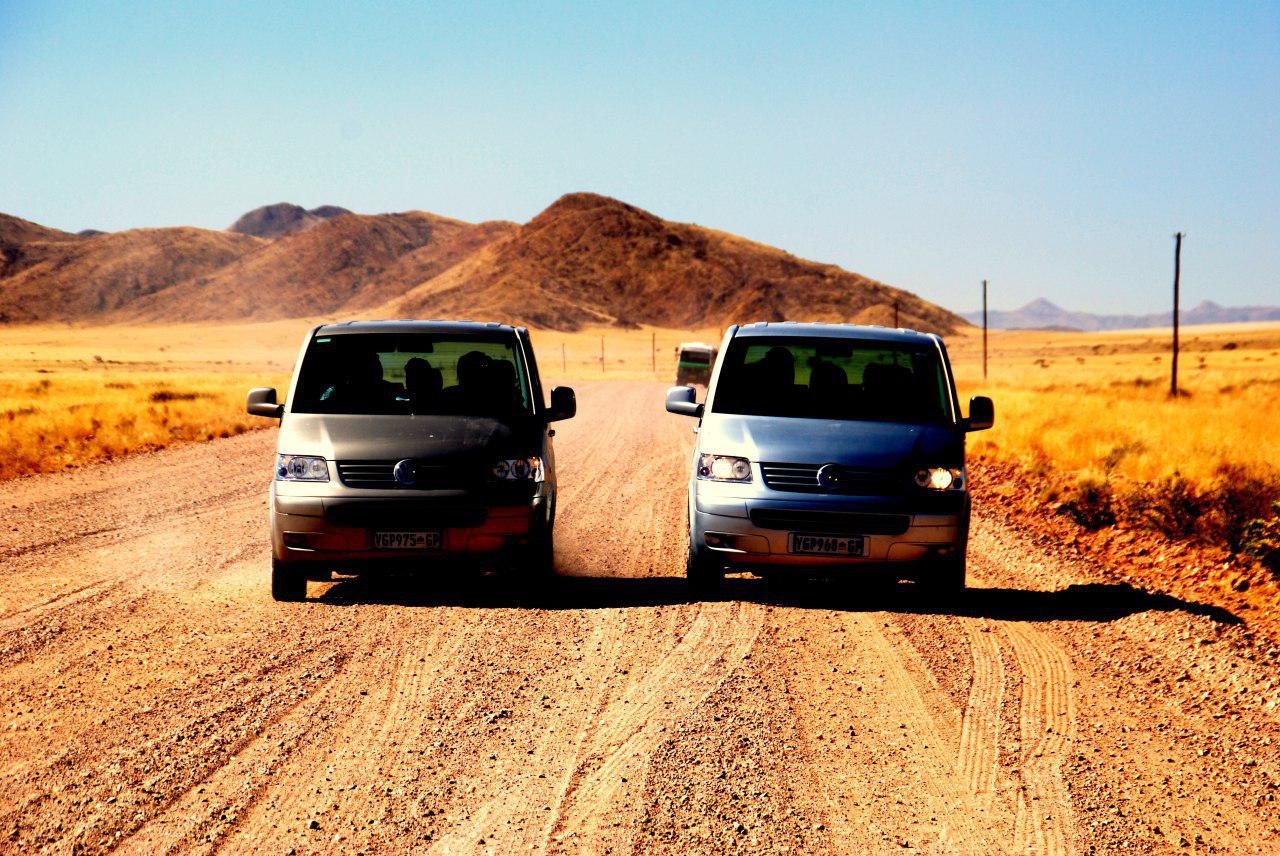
<point>411,325</point>
<point>834,331</point>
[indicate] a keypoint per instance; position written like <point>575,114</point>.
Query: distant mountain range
<point>1043,315</point>
<point>586,259</point>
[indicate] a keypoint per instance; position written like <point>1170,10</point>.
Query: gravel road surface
<point>156,699</point>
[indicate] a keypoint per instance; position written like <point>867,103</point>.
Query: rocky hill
<point>586,259</point>
<point>93,278</point>
<point>591,259</point>
<point>350,260</point>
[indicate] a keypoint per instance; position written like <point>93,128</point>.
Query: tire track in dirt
<point>549,752</point>
<point>966,822</point>
<point>119,780</point>
<point>627,731</point>
<point>123,576</point>
<point>893,776</point>
<point>216,807</point>
<point>200,816</point>
<point>980,731</point>
<point>382,694</point>
<point>1047,723</point>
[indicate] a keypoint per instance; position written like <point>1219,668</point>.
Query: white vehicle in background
<point>693,363</point>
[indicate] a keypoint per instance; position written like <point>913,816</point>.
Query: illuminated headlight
<point>520,469</point>
<point>301,468</point>
<point>724,468</point>
<point>941,478</point>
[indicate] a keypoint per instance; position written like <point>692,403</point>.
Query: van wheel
<point>704,573</point>
<point>945,577</point>
<point>287,583</point>
<point>539,561</point>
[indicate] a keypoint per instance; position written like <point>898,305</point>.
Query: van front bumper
<point>748,533</point>
<point>336,530</point>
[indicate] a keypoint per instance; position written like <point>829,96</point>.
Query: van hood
<point>871,446</point>
<point>339,437</point>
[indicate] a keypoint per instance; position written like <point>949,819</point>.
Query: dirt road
<point>156,699</point>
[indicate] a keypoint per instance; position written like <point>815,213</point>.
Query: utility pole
<point>564,361</point>
<point>653,350</point>
<point>1177,270</point>
<point>602,355</point>
<point>984,329</point>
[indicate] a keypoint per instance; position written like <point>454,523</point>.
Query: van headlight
<point>301,468</point>
<point>941,478</point>
<point>724,468</point>
<point>520,469</point>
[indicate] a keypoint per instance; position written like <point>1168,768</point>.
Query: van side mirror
<point>684,401</point>
<point>262,402</point>
<point>564,404</point>
<point>982,414</point>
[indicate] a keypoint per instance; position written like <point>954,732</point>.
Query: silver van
<point>830,449</point>
<point>412,444</point>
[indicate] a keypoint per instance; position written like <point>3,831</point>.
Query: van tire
<point>945,577</point>
<point>703,573</point>
<point>538,561</point>
<point>287,583</point>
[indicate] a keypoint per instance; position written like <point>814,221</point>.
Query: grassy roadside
<point>71,396</point>
<point>1090,424</point>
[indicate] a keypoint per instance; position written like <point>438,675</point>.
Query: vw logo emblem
<point>405,473</point>
<point>830,476</point>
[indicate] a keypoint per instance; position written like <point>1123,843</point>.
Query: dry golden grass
<point>1099,403</point>
<point>1078,403</point>
<point>70,396</point>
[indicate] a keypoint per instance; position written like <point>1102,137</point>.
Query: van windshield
<point>829,378</point>
<point>418,373</point>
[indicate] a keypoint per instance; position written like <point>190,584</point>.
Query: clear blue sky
<point>1050,149</point>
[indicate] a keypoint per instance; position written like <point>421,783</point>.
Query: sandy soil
<point>155,699</point>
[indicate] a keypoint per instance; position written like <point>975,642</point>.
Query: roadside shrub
<point>1236,499</point>
<point>1171,506</point>
<point>1090,502</point>
<point>1215,514</point>
<point>1261,539</point>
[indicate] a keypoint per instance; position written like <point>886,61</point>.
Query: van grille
<point>401,514</point>
<point>803,478</point>
<point>852,522</point>
<point>379,475</point>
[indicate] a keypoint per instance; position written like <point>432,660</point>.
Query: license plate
<point>406,540</point>
<point>827,545</point>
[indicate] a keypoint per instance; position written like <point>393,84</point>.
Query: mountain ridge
<point>585,259</point>
<point>1042,314</point>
